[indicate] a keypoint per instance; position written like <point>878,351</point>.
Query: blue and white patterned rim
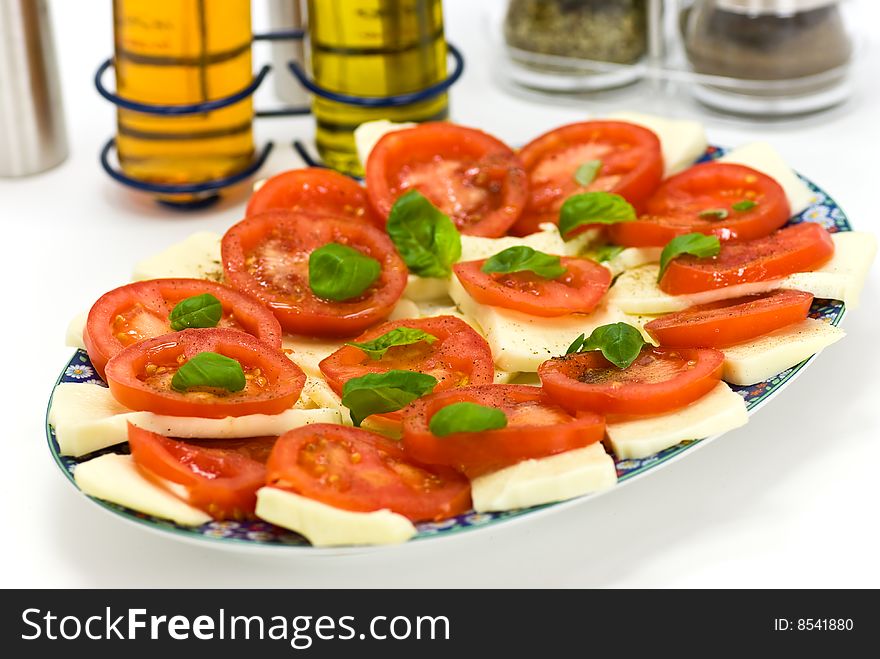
<point>256,534</point>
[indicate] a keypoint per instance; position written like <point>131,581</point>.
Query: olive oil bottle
<point>373,48</point>
<point>182,52</point>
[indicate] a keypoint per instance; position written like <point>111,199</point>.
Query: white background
<point>789,500</point>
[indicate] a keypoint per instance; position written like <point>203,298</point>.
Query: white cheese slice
<point>545,480</point>
<point>87,418</point>
<point>317,394</point>
<point>521,342</point>
<point>116,479</point>
<point>682,140</point>
<point>633,257</point>
<point>308,352</point>
<point>758,360</point>
<point>196,257</point>
<point>74,335</point>
<point>766,159</point>
<point>842,278</point>
<point>404,309</point>
<point>718,411</point>
<point>368,134</point>
<point>474,248</point>
<point>504,377</point>
<point>326,526</point>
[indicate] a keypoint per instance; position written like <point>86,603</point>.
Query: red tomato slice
<point>674,209</point>
<point>139,311</point>
<point>579,290</point>
<point>357,470</point>
<point>140,376</point>
<point>316,191</point>
<point>221,482</point>
<point>728,322</point>
<point>458,357</point>
<point>798,248</point>
<point>659,380</point>
<point>267,256</point>
<point>477,180</point>
<point>632,166</point>
<point>255,448</point>
<point>536,427</point>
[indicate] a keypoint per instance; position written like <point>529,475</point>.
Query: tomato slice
<point>798,248</point>
<point>536,427</point>
<point>221,482</point>
<point>475,179</point>
<point>267,255</point>
<point>357,470</point>
<point>675,208</point>
<point>659,380</point>
<point>632,166</point>
<point>579,290</point>
<point>140,376</point>
<point>314,190</point>
<point>728,322</point>
<point>458,357</point>
<point>139,311</point>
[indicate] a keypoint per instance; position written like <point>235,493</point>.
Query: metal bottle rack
<point>209,190</point>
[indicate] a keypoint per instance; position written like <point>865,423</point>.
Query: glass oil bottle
<point>178,52</point>
<point>373,48</point>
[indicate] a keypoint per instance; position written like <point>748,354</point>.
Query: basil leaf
<point>715,213</point>
<point>466,417</point>
<point>339,273</point>
<point>202,310</point>
<point>620,343</point>
<point>744,205</point>
<point>426,239</point>
<point>593,208</point>
<point>399,336</point>
<point>520,258</point>
<point>209,369</point>
<point>377,393</point>
<point>695,244</point>
<point>604,253</point>
<point>586,173</point>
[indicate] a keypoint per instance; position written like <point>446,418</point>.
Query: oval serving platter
<point>260,536</point>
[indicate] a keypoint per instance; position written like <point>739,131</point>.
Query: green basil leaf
<point>377,393</point>
<point>399,336</point>
<point>520,258</point>
<point>620,343</point>
<point>715,213</point>
<point>209,369</point>
<point>604,253</point>
<point>586,173</point>
<point>202,310</point>
<point>695,244</point>
<point>744,205</point>
<point>593,208</point>
<point>426,239</point>
<point>466,417</point>
<point>339,273</point>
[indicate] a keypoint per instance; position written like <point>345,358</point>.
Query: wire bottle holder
<point>208,191</point>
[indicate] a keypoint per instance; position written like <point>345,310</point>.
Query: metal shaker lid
<point>783,7</point>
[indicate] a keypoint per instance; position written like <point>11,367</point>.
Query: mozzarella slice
<point>842,278</point>
<point>197,257</point>
<point>368,134</point>
<point>326,526</point>
<point>504,377</point>
<point>87,418</point>
<point>758,360</point>
<point>404,309</point>
<point>555,478</point>
<point>116,479</point>
<point>74,335</point>
<point>682,140</point>
<point>718,411</point>
<point>308,352</point>
<point>521,342</point>
<point>320,396</point>
<point>426,289</point>
<point>766,159</point>
<point>633,257</point>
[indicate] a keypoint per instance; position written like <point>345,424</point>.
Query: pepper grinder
<point>32,133</point>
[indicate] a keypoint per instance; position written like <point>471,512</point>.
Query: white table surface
<point>789,500</point>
